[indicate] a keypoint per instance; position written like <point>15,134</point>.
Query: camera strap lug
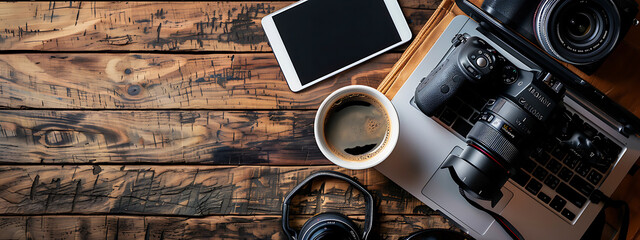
<point>458,39</point>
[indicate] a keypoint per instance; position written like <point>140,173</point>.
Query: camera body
<point>472,60</point>
<point>524,102</point>
<point>580,32</point>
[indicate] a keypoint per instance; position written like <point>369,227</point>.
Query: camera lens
<point>577,31</point>
<point>493,147</point>
<point>501,129</point>
<point>329,225</point>
<point>331,233</point>
<point>494,144</point>
<point>578,25</point>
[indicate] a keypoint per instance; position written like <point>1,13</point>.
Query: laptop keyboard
<point>552,174</point>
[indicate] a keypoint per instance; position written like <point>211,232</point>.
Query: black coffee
<point>356,127</point>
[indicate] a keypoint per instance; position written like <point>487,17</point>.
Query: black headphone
<point>330,225</point>
<point>435,234</point>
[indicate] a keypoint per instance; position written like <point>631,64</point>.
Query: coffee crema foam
<point>356,127</point>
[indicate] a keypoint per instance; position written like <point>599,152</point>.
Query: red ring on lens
<point>488,155</point>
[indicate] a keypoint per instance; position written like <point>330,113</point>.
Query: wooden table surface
<point>168,120</point>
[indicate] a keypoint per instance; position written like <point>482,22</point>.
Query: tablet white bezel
<point>282,56</point>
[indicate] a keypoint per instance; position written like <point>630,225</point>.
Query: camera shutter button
<point>481,62</point>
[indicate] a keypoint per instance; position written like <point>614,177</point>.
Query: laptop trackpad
<point>443,191</point>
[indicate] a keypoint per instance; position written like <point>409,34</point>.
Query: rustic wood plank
<point>162,81</point>
<point>216,227</point>
<point>200,137</point>
<point>190,191</point>
<point>150,26</point>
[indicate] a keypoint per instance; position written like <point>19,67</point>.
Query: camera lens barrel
<point>491,138</point>
<point>579,32</point>
<point>494,145</point>
<point>515,117</point>
<point>501,129</point>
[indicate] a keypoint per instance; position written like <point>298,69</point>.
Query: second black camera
<point>580,32</point>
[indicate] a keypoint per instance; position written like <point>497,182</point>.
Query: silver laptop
<point>548,197</point>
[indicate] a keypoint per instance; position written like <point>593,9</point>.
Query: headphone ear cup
<point>436,234</point>
<point>329,226</point>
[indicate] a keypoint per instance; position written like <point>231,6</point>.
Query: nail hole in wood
<point>134,90</point>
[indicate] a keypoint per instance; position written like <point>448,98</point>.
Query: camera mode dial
<point>477,59</point>
<point>509,74</point>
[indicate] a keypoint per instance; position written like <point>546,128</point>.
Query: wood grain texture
<point>150,26</point>
<point>164,137</point>
<point>215,227</point>
<point>165,81</point>
<point>190,191</point>
<point>618,76</point>
<point>62,157</point>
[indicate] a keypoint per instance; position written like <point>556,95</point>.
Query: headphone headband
<point>291,234</point>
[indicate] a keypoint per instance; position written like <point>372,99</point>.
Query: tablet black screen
<point>322,36</point>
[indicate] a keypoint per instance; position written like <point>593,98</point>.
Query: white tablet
<point>316,39</point>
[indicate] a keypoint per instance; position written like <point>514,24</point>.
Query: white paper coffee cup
<point>381,152</point>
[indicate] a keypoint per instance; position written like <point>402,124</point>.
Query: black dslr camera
<point>524,103</point>
<point>580,32</point>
